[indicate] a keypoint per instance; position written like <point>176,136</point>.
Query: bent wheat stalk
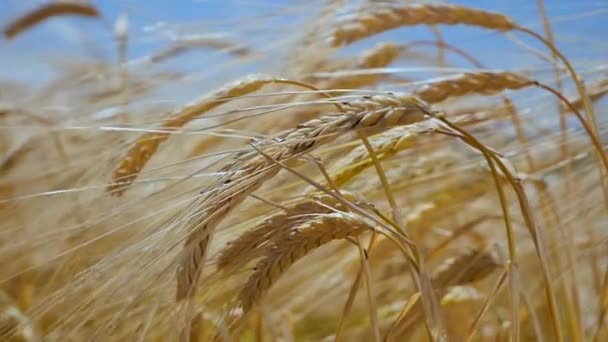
<point>376,113</point>
<point>47,11</point>
<point>495,163</point>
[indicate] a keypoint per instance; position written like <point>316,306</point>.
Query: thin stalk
<point>395,212</point>
<point>440,47</point>
<point>569,287</point>
<point>353,293</point>
<point>603,308</point>
<point>579,85</point>
<point>571,249</point>
<point>558,79</point>
<point>592,135</point>
<point>512,262</point>
<point>587,105</point>
<point>371,298</point>
<point>429,300</point>
<point>526,213</point>
<point>409,305</point>
<point>363,269</point>
<point>486,305</point>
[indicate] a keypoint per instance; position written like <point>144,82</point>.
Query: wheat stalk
<point>374,113</point>
<point>387,17</point>
<point>49,10</point>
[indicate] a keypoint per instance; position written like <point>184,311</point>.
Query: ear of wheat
<point>45,12</point>
<point>251,244</point>
<point>478,83</point>
<point>385,17</point>
<point>375,113</point>
<point>304,238</point>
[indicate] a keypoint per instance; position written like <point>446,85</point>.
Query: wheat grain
<point>387,17</point>
<point>304,239</point>
<point>251,244</point>
<point>477,83</point>
<point>45,12</point>
<point>374,113</point>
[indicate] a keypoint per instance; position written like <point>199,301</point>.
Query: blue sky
<point>61,39</point>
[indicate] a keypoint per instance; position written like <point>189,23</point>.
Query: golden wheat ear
<point>47,11</point>
<point>250,244</point>
<point>373,113</point>
<point>302,240</point>
<point>386,17</point>
<point>473,83</point>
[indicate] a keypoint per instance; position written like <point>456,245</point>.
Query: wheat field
<point>324,170</point>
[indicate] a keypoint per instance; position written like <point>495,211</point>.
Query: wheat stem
<point>371,297</point>
<point>486,305</point>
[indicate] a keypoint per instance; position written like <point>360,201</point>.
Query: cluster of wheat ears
<point>349,184</point>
